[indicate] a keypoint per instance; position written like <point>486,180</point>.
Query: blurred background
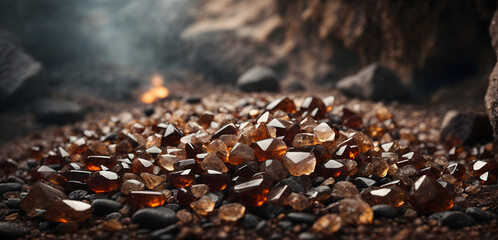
<point>60,59</point>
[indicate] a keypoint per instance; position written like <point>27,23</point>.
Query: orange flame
<point>156,92</point>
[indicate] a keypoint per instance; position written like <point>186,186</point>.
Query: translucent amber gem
<point>299,163</point>
<point>153,141</point>
<point>152,180</point>
<point>103,181</point>
<point>333,168</point>
<point>380,167</point>
<point>140,165</point>
<point>186,164</point>
<point>55,158</point>
<point>430,171</point>
<point>199,190</point>
<point>78,146</point>
<point>279,195</point>
<point>68,211</point>
<point>166,161</point>
<point>144,199</point>
<point>393,196</point>
<point>271,148</point>
<point>457,170</point>
<point>285,129</point>
<point>241,153</point>
<point>94,163</point>
<point>217,181</point>
<point>230,140</point>
<point>181,179</point>
<point>206,118</point>
<point>212,162</point>
<point>328,224</point>
<point>37,153</point>
<point>247,170</point>
<point>355,211</point>
<point>39,197</point>
<point>311,103</point>
<point>427,195</point>
<point>231,212</point>
<point>345,150</point>
<point>227,129</point>
<point>203,206</point>
<point>219,148</point>
<point>251,193</point>
<point>259,132</point>
<point>344,189</point>
<point>191,150</point>
<point>171,136</point>
<point>412,158</point>
<point>487,178</point>
<point>132,185</point>
<point>298,202</point>
<point>284,103</point>
<point>42,172</point>
<point>304,139</point>
<point>184,216</point>
<point>275,169</point>
<point>324,133</point>
<point>479,167</point>
<point>350,119</point>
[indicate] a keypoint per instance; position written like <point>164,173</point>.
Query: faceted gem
<point>251,193</point>
<point>151,180</point>
<point>94,163</point>
<point>143,199</point>
<point>279,195</point>
<point>103,181</point>
<point>203,206</point>
<point>457,170</point>
<point>347,150</point>
<point>153,151</point>
<point>219,148</point>
<point>42,172</point>
<point>171,136</point>
<point>140,165</point>
<point>324,133</point>
<point>412,158</point>
<point>199,190</point>
<point>192,150</point>
<point>350,119</point>
<point>393,196</point>
<point>311,103</point>
<point>299,163</point>
<point>206,118</point>
<point>284,103</point>
<point>427,195</point>
<point>259,132</point>
<point>153,141</point>
<point>39,197</point>
<point>212,162</point>
<point>298,202</point>
<point>287,129</point>
<point>216,181</point>
<point>329,102</point>
<point>333,168</point>
<point>247,170</point>
<point>166,161</point>
<point>355,211</point>
<point>344,189</point>
<point>241,153</point>
<point>78,146</point>
<point>181,179</point>
<point>184,197</point>
<point>231,212</point>
<point>304,139</point>
<point>321,153</point>
<point>132,185</point>
<point>184,216</point>
<point>227,129</point>
<point>54,158</point>
<point>68,211</point>
<point>380,167</point>
<point>271,148</point>
<point>37,153</point>
<point>186,164</point>
<point>230,140</point>
<point>328,224</point>
<point>320,193</point>
<point>275,169</point>
<point>487,178</point>
<point>430,171</point>
<point>479,167</point>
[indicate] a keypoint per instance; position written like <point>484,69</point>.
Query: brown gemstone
<point>78,146</point>
<point>251,193</point>
<point>333,168</point>
<point>393,196</point>
<point>184,197</point>
<point>285,129</point>
<point>219,148</point>
<point>241,153</point>
<point>299,163</point>
<point>328,224</point>
<point>271,148</point>
<point>144,199</point>
<point>227,129</point>
<point>259,132</point>
<point>65,211</point>
<point>487,178</point>
<point>140,165</point>
<point>213,162</point>
<point>345,189</point>
<point>37,153</point>
<point>347,150</point>
<point>324,133</point>
<point>203,206</point>
<point>304,139</point>
<point>166,162</point>
<point>355,211</point>
<point>151,180</point>
<point>186,164</point>
<point>397,183</point>
<point>199,190</point>
<point>298,202</point>
<point>350,119</point>
<point>206,118</point>
<point>42,173</point>
<point>231,212</point>
<point>112,225</point>
<point>132,185</point>
<point>284,103</point>
<point>191,150</point>
<point>153,151</point>
<point>479,167</point>
<point>153,141</point>
<point>412,158</point>
<point>427,195</point>
<point>430,171</point>
<point>103,181</point>
<point>457,170</point>
<point>95,162</point>
<point>181,179</point>
<point>279,195</point>
<point>39,197</point>
<point>275,169</point>
<point>247,170</point>
<point>184,216</point>
<point>311,103</point>
<point>55,159</point>
<point>171,136</point>
<point>217,181</point>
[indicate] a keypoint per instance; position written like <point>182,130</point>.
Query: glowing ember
<point>157,91</point>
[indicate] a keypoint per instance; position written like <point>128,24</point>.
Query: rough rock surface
<point>491,98</point>
<point>466,128</point>
<point>57,111</point>
<point>258,79</point>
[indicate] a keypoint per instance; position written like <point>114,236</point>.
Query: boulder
<point>258,79</point>
<point>466,129</point>
<point>57,111</point>
<point>491,99</point>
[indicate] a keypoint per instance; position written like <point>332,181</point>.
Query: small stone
<point>95,162</point>
<point>13,203</point>
<point>215,180</point>
<point>181,179</point>
<point>12,217</point>
<point>473,189</point>
<point>103,181</point>
<point>258,79</point>
<point>354,211</point>
<point>39,197</point>
<point>427,195</point>
<point>298,202</point>
<point>145,199</point>
<point>213,162</point>
<point>362,182</point>
<point>301,217</point>
<point>328,224</point>
<point>453,219</point>
<point>203,206</point>
<point>307,236</point>
<point>132,185</point>
<point>112,225</point>
<point>275,168</point>
<point>154,218</point>
<point>251,193</point>
<point>384,211</point>
<point>480,215</point>
<point>344,189</point>
<point>199,190</point>
<point>140,165</point>
<point>184,216</point>
<point>68,211</point>
<point>12,231</point>
<point>284,103</point>
<point>152,180</point>
<point>393,196</point>
<point>271,148</point>
<point>10,187</point>
<point>166,161</point>
<point>231,212</point>
<point>171,136</point>
<point>250,221</point>
<point>299,163</point>
<point>240,154</point>
<point>279,195</point>
<point>105,206</point>
<point>304,139</point>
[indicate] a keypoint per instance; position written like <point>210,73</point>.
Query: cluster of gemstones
<point>253,154</point>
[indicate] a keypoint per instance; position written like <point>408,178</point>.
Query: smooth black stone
<point>216,197</point>
<point>10,187</point>
<point>276,236</point>
<point>46,225</point>
<point>93,197</point>
<point>77,194</point>
<point>14,179</point>
<point>384,180</point>
<point>249,221</point>
<point>269,210</point>
<point>453,219</point>
<point>13,203</point>
<point>261,226</point>
<point>294,185</point>
<point>258,79</point>
<point>208,225</point>
<point>109,137</point>
<point>113,215</point>
<point>171,229</point>
<point>173,206</point>
<point>11,211</point>
<point>480,215</point>
<point>384,211</point>
<point>301,217</point>
<point>307,236</point>
<point>193,100</point>
<point>11,230</point>
<point>149,111</point>
<point>361,182</point>
<point>154,218</point>
<point>105,206</point>
<point>116,196</point>
<point>284,224</point>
